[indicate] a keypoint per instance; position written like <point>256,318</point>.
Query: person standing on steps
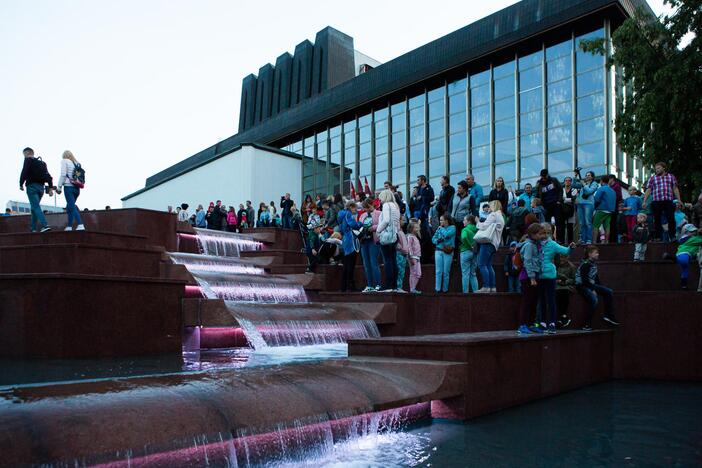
<point>68,183</point>
<point>349,245</point>
<point>585,204</point>
<point>388,227</point>
<point>661,190</point>
<point>35,175</point>
<point>286,214</point>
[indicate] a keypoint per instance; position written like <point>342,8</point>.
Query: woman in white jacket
<point>488,249</point>
<point>389,220</point>
<point>70,191</point>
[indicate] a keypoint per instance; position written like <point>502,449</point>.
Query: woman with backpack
<point>70,182</point>
<point>388,227</point>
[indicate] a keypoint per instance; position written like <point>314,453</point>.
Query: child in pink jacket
<point>414,249</point>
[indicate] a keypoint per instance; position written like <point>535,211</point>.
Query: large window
<point>531,115</point>
<point>335,159</point>
<point>480,117</point>
<point>308,163</point>
<point>398,115</point>
<point>559,111</point>
<point>590,109</point>
<point>457,129</point>
<point>322,170</point>
<point>436,100</point>
<point>382,161</point>
<point>505,122</point>
<point>349,156</point>
<point>416,136</point>
<point>364,148</point>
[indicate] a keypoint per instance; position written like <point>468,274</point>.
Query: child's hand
<point>506,274</point>
<point>533,282</point>
<point>572,245</point>
<point>314,252</point>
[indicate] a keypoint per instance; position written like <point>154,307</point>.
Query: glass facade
<point>543,108</point>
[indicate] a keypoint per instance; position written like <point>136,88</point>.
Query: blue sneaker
<point>523,330</point>
<point>536,329</point>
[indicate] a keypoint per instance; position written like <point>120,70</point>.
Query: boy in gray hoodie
<point>531,258</point>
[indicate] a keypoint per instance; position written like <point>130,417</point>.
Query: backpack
<point>38,171</point>
<point>78,177</point>
<point>517,260</point>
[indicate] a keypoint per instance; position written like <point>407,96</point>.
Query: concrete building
<point>502,97</point>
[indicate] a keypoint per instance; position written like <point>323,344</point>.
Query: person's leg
<point>581,221</point>
<point>393,265</point>
<point>669,209</point>
<point>345,274</point>
<point>528,305</point>
<point>483,256</point>
<point>560,227</point>
<point>438,269</point>
<point>465,271</point>
<point>365,258</point>
<point>683,260</point>
<point>70,205</point>
<point>35,192</point>
<point>642,253</point>
<point>613,231</point>
<point>587,212</point>
<point>401,262</point>
<point>448,261</point>
<point>657,210</point>
<point>637,252</point>
<point>569,232</point>
<point>591,298</point>
<point>491,269</point>
<point>550,303</point>
<point>606,294</point>
<point>473,267</point>
<point>562,301</point>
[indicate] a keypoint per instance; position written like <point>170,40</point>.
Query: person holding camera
<point>585,203</point>
<point>35,175</point>
<point>286,207</point>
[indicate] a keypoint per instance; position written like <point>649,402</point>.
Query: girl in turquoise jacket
<point>547,281</point>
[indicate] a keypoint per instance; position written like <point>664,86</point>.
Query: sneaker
<point>564,322</point>
<point>611,320</point>
<point>493,289</point>
<point>68,228</point>
<point>401,291</point>
<point>542,325</point>
<point>45,229</point>
<point>80,227</point>
<point>387,290</point>
<point>551,330</point>
<point>535,329</point>
<point>376,289</point>
<point>523,330</point>
<point>368,289</point>
<point>415,291</point>
<point>586,328</point>
<point>482,290</point>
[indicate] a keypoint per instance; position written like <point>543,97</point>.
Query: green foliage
<point>660,119</point>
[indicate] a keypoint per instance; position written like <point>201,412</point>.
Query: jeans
<point>347,274</point>
<point>683,260</point>
<point>590,295</point>
<point>658,208</point>
<point>513,284</point>
<point>442,269</point>
<point>530,297</point>
<point>487,272</point>
<point>34,193</point>
<point>547,298</point>
<point>469,265</point>
<point>369,253</point>
<point>71,193</point>
<point>585,213</point>
<point>287,221</point>
<point>640,252</point>
<point>401,264</point>
<point>390,265</point>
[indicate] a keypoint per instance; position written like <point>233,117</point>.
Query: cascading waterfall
<point>222,273</point>
<point>370,439</point>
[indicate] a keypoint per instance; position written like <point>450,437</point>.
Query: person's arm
<point>384,219</point>
<point>507,264</point>
<point>438,236</point>
<point>561,250</point>
<point>25,172</point>
<point>676,190</point>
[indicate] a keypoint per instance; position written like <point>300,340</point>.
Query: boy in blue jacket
<point>605,204</point>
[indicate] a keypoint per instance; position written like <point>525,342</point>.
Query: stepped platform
<point>62,315</point>
<point>279,256</point>
<point>503,369</point>
<point>169,411</point>
<point>217,313</point>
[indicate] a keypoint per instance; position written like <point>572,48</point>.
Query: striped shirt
<point>661,187</point>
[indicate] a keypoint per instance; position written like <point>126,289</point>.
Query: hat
<point>513,244</point>
<point>689,228</point>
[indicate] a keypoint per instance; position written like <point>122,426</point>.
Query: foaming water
<point>224,244</point>
<point>209,263</point>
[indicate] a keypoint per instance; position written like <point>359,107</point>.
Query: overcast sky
<point>132,87</point>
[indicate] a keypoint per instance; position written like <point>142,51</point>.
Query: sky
<point>132,87</point>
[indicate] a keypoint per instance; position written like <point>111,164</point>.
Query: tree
<point>661,117</point>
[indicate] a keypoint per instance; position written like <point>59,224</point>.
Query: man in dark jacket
<point>250,214</point>
<point>550,192</point>
<point>446,195</point>
<point>35,175</point>
<point>286,214</point>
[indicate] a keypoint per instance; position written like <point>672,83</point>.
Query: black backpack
<point>38,171</point>
<point>78,176</point>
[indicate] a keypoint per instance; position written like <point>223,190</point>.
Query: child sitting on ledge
<point>587,282</point>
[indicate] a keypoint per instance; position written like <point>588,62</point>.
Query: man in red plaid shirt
<point>663,189</point>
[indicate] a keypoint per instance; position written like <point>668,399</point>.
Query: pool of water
<point>15,372</point>
<point>637,424</point>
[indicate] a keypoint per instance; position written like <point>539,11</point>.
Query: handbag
<point>447,249</point>
<point>485,236</point>
<point>389,235</point>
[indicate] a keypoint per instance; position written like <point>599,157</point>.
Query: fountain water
<point>222,274</point>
